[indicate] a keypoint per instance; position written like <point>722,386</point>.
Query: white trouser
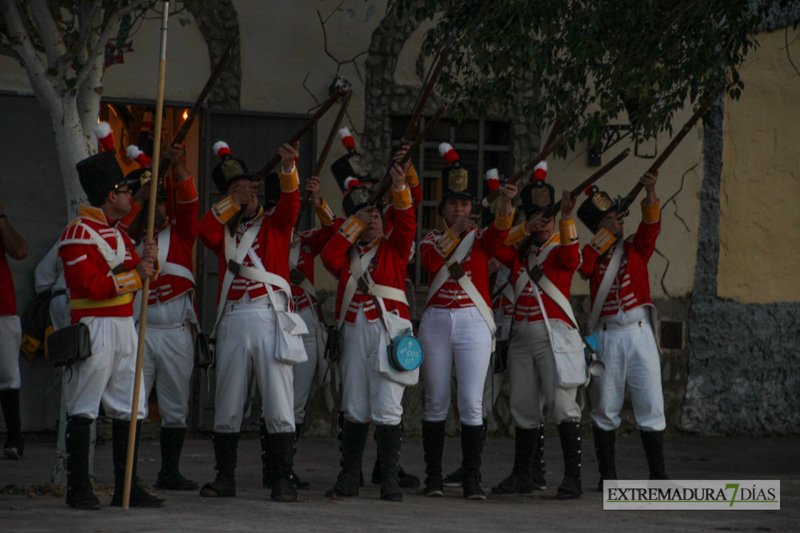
<point>107,375</point>
<point>246,342</point>
<point>367,394</point>
<point>169,358</point>
<point>304,372</point>
<point>458,336</point>
<point>10,341</point>
<point>630,354</point>
<point>531,371</point>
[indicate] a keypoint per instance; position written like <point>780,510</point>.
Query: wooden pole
<point>151,215</point>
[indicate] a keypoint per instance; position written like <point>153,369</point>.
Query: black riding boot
<point>79,487</point>
<point>521,479</point>
<point>280,458</point>
<point>653,442</point>
<point>433,445</point>
<point>388,438</point>
<point>14,446</point>
<point>604,449</point>
<point>570,435</point>
<point>354,440</point>
<point>472,438</point>
<point>120,431</point>
<point>170,477</point>
<point>225,453</point>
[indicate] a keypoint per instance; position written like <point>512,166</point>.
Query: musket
<point>676,140</point>
<point>323,155</point>
<point>427,89</point>
<point>195,111</point>
<point>526,168</point>
<point>272,163</point>
<point>380,189</point>
<point>548,213</point>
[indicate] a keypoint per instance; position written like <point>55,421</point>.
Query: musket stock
<point>426,92</point>
<point>628,200</point>
<point>526,168</point>
<point>380,189</point>
<point>187,124</point>
<point>272,163</point>
<point>324,155</point>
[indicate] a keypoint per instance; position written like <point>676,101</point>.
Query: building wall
<point>759,215</point>
<point>743,363</point>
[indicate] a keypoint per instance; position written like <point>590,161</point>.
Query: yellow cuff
<point>402,199</point>
<point>504,223</point>
<point>447,243</point>
<point>651,212</point>
<point>602,241</point>
<point>225,209</point>
<point>324,213</point>
<point>411,176</point>
<point>568,231</point>
<point>352,228</point>
<point>516,234</point>
<point>128,282</point>
<point>289,182</point>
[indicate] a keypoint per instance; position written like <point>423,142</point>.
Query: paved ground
<point>687,458</point>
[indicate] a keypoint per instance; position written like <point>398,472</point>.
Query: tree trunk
<point>219,23</point>
<point>72,145</point>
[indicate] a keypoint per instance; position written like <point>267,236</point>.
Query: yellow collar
<point>94,213</point>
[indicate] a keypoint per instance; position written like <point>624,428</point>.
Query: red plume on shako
<point>133,152</point>
<point>492,179</point>
<point>347,139</point>
<point>540,171</point>
<point>449,154</point>
<point>105,136</point>
<point>350,183</point>
<point>222,149</point>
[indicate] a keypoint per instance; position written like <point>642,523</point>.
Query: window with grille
<point>481,145</point>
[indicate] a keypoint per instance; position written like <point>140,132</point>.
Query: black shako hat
<point>595,207</point>
<point>538,195</point>
<point>457,181</point>
<point>100,174</point>
<point>229,169</point>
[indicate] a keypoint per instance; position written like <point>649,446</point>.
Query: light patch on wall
<point>760,190</point>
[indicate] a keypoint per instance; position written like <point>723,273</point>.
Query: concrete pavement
<point>22,509</point>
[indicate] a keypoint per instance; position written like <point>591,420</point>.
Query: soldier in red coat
<point>103,273</point>
<point>457,327</point>
<point>10,338</point>
<point>624,319</point>
<point>171,319</point>
<point>255,329</point>
<point>371,269</point>
<point>542,268</point>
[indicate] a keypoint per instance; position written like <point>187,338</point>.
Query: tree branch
<point>49,34</point>
<point>100,45</point>
<point>23,46</point>
<point>85,22</point>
